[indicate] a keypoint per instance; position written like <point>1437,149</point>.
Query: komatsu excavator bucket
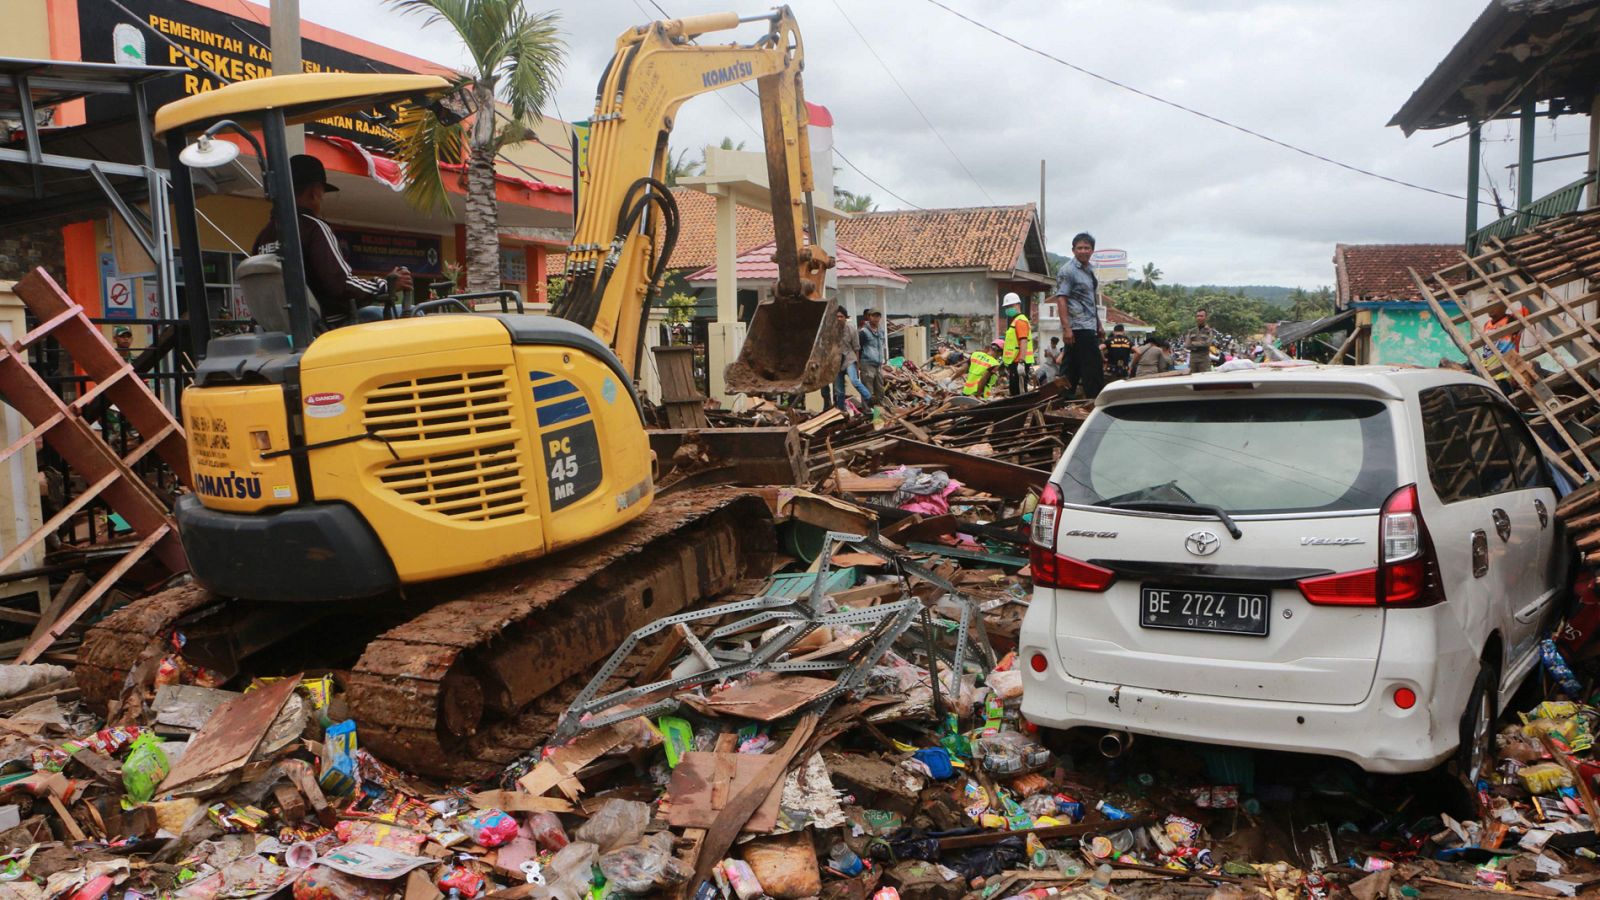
<point>792,346</point>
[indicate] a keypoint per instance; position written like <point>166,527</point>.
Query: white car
<point>1350,561</point>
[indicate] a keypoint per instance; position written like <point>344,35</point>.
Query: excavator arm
<point>627,223</point>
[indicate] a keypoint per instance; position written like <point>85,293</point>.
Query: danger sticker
<point>325,405</point>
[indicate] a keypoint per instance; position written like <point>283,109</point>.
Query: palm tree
<point>1151,275</point>
<point>516,58</point>
<point>853,203</point>
<point>680,166</point>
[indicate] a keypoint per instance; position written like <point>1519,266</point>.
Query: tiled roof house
<point>960,262</point>
<point>1392,322</point>
<point>1377,272</point>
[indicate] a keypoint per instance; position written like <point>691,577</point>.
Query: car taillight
<point>1051,569</point>
<point>1407,573</point>
<point>1045,517</point>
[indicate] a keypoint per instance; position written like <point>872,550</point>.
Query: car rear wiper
<point>1176,506</point>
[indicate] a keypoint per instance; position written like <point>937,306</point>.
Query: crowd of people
<point>1086,357</point>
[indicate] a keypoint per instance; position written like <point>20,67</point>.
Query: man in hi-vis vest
<point>1018,355</point>
<point>980,372</point>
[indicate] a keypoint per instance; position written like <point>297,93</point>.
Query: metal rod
<point>287,217</point>
<point>1525,143</point>
<point>1474,154</point>
<point>194,279</point>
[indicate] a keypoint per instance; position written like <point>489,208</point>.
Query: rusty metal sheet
<point>231,735</point>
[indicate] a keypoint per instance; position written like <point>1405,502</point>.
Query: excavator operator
<point>339,291</point>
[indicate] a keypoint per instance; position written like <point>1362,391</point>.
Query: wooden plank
<point>518,801</point>
<point>56,521</point>
<point>70,591</point>
<point>850,483</point>
<point>719,837</point>
<point>694,838</point>
<point>59,627</point>
<point>71,824</point>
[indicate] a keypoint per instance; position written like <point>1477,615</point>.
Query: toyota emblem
<point>1201,543</point>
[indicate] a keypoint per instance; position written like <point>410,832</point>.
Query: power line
<point>836,150</point>
<point>875,182</point>
<point>1194,112</point>
<point>925,120</point>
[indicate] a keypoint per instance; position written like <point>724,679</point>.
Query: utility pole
<point>1041,201</point>
<point>286,57</point>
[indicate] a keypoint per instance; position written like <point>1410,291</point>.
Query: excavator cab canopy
<point>297,98</point>
<point>269,106</point>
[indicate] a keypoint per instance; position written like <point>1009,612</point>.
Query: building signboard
<point>383,251</point>
<point>236,47</point>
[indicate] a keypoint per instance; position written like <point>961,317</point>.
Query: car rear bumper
<point>1373,733</point>
<point>1368,734</point>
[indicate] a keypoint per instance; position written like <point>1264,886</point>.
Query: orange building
<point>375,225</point>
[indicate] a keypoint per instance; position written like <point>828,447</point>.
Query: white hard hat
<point>1011,299</point>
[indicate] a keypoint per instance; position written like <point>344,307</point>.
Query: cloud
<point>1204,202</point>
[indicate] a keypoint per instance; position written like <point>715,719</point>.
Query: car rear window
<point>1255,455</point>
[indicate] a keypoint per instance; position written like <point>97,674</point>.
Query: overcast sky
<point>1203,202</point>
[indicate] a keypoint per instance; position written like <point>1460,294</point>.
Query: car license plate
<point>1195,610</point>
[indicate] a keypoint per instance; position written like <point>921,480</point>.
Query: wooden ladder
<point>61,425</point>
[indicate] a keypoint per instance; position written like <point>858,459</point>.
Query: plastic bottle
<point>1101,879</point>
<point>844,860</point>
<point>1111,812</point>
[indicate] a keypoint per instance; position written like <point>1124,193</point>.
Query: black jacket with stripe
<point>339,291</point>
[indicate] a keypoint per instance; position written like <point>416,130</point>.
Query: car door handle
<point>1502,524</point>
<point>1544,514</point>
<point>1480,554</point>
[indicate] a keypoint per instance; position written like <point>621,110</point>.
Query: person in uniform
<point>980,371</point>
<point>339,291</point>
<point>1018,352</point>
<point>1119,350</point>
<point>1199,340</point>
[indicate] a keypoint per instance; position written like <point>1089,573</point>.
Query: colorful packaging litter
<point>1545,778</point>
<point>490,828</point>
<point>338,775</point>
<point>144,768</point>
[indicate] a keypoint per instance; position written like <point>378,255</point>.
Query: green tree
<point>1306,306</point>
<point>515,57</point>
<point>1170,308</point>
<point>1151,274</point>
<point>680,166</point>
<point>680,308</point>
<point>853,203</point>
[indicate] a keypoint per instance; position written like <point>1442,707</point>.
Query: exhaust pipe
<point>1114,743</point>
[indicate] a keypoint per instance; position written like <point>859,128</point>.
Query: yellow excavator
<point>461,503</point>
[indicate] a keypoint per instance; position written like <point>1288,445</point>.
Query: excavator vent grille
<point>476,475</point>
<point>435,407</point>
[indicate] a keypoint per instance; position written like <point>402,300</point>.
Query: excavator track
<point>480,675</point>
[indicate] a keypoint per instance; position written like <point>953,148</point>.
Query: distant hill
<point>1271,294</point>
<point>1276,295</point>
